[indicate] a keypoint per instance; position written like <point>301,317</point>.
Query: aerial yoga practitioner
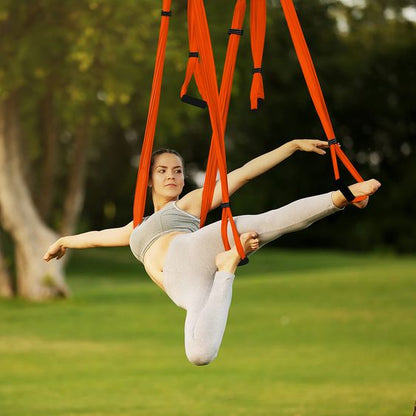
<point>189,263</point>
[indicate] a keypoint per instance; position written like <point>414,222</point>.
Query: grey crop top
<point>168,219</point>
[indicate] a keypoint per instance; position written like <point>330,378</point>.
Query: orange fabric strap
<point>224,101</point>
<point>146,153</point>
<point>315,90</point>
<point>193,66</point>
<point>257,35</point>
<point>210,86</point>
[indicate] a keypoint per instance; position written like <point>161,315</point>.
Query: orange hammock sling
<point>201,67</point>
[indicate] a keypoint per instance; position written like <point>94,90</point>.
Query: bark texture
<point>35,279</point>
<point>75,193</point>
<point>49,132</point>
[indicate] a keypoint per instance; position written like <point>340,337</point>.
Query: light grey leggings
<point>192,281</point>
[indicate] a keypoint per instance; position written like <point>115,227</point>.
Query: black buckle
<point>235,32</point>
<point>257,70</point>
<point>169,13</point>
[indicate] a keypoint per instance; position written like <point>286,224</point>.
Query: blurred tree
<point>380,40</point>
<point>36,279</point>
<point>68,70</point>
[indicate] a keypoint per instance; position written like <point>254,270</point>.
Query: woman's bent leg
<point>204,328</point>
<point>192,281</point>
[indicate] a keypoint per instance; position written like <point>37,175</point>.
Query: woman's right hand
<point>56,250</point>
<point>311,145</point>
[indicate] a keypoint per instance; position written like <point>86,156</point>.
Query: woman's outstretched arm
<point>112,237</point>
<point>255,167</point>
<point>261,164</point>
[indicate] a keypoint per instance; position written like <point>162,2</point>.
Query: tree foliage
<point>81,72</point>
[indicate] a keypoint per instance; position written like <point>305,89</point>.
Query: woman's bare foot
<point>358,189</point>
<point>227,261</point>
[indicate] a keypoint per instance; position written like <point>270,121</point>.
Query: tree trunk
<point>49,133</point>
<point>6,286</point>
<point>36,279</point>
<point>75,193</point>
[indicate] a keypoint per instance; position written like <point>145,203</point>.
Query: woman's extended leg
<point>302,213</point>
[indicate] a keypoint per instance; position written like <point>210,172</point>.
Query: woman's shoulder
<point>191,203</point>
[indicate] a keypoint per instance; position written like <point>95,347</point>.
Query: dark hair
<point>162,151</point>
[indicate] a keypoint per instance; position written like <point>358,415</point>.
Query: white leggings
<point>192,281</point>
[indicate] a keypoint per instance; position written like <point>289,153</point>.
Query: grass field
<point>309,333</point>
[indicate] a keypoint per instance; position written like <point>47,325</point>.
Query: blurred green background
<point>78,76</point>
<point>321,324</point>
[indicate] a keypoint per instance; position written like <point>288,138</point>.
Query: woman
<point>189,263</point>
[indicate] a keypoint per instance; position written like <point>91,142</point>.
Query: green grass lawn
<point>309,333</point>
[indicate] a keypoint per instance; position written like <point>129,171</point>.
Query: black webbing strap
<point>225,205</point>
<point>164,13</point>
<point>339,183</point>
<point>257,70</point>
<point>349,196</point>
<point>193,54</point>
<point>243,262</point>
<point>197,102</point>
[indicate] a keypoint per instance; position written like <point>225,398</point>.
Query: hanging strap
<point>193,66</point>
<point>224,101</point>
<point>315,91</point>
<point>210,86</point>
<point>146,153</point>
<point>257,35</point>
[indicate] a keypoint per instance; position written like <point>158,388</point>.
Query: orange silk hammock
<point>201,67</point>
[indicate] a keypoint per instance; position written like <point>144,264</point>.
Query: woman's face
<point>167,178</point>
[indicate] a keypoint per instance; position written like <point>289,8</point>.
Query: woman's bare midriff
<point>154,258</point>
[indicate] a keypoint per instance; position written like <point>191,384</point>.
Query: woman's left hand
<point>56,250</point>
<point>312,145</point>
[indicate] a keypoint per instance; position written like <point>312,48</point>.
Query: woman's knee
<point>201,356</point>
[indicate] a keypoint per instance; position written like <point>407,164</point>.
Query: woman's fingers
<point>48,257</point>
<point>323,144</point>
<point>54,251</point>
<point>313,145</point>
<point>318,146</point>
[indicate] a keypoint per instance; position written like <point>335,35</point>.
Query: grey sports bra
<point>168,219</point>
